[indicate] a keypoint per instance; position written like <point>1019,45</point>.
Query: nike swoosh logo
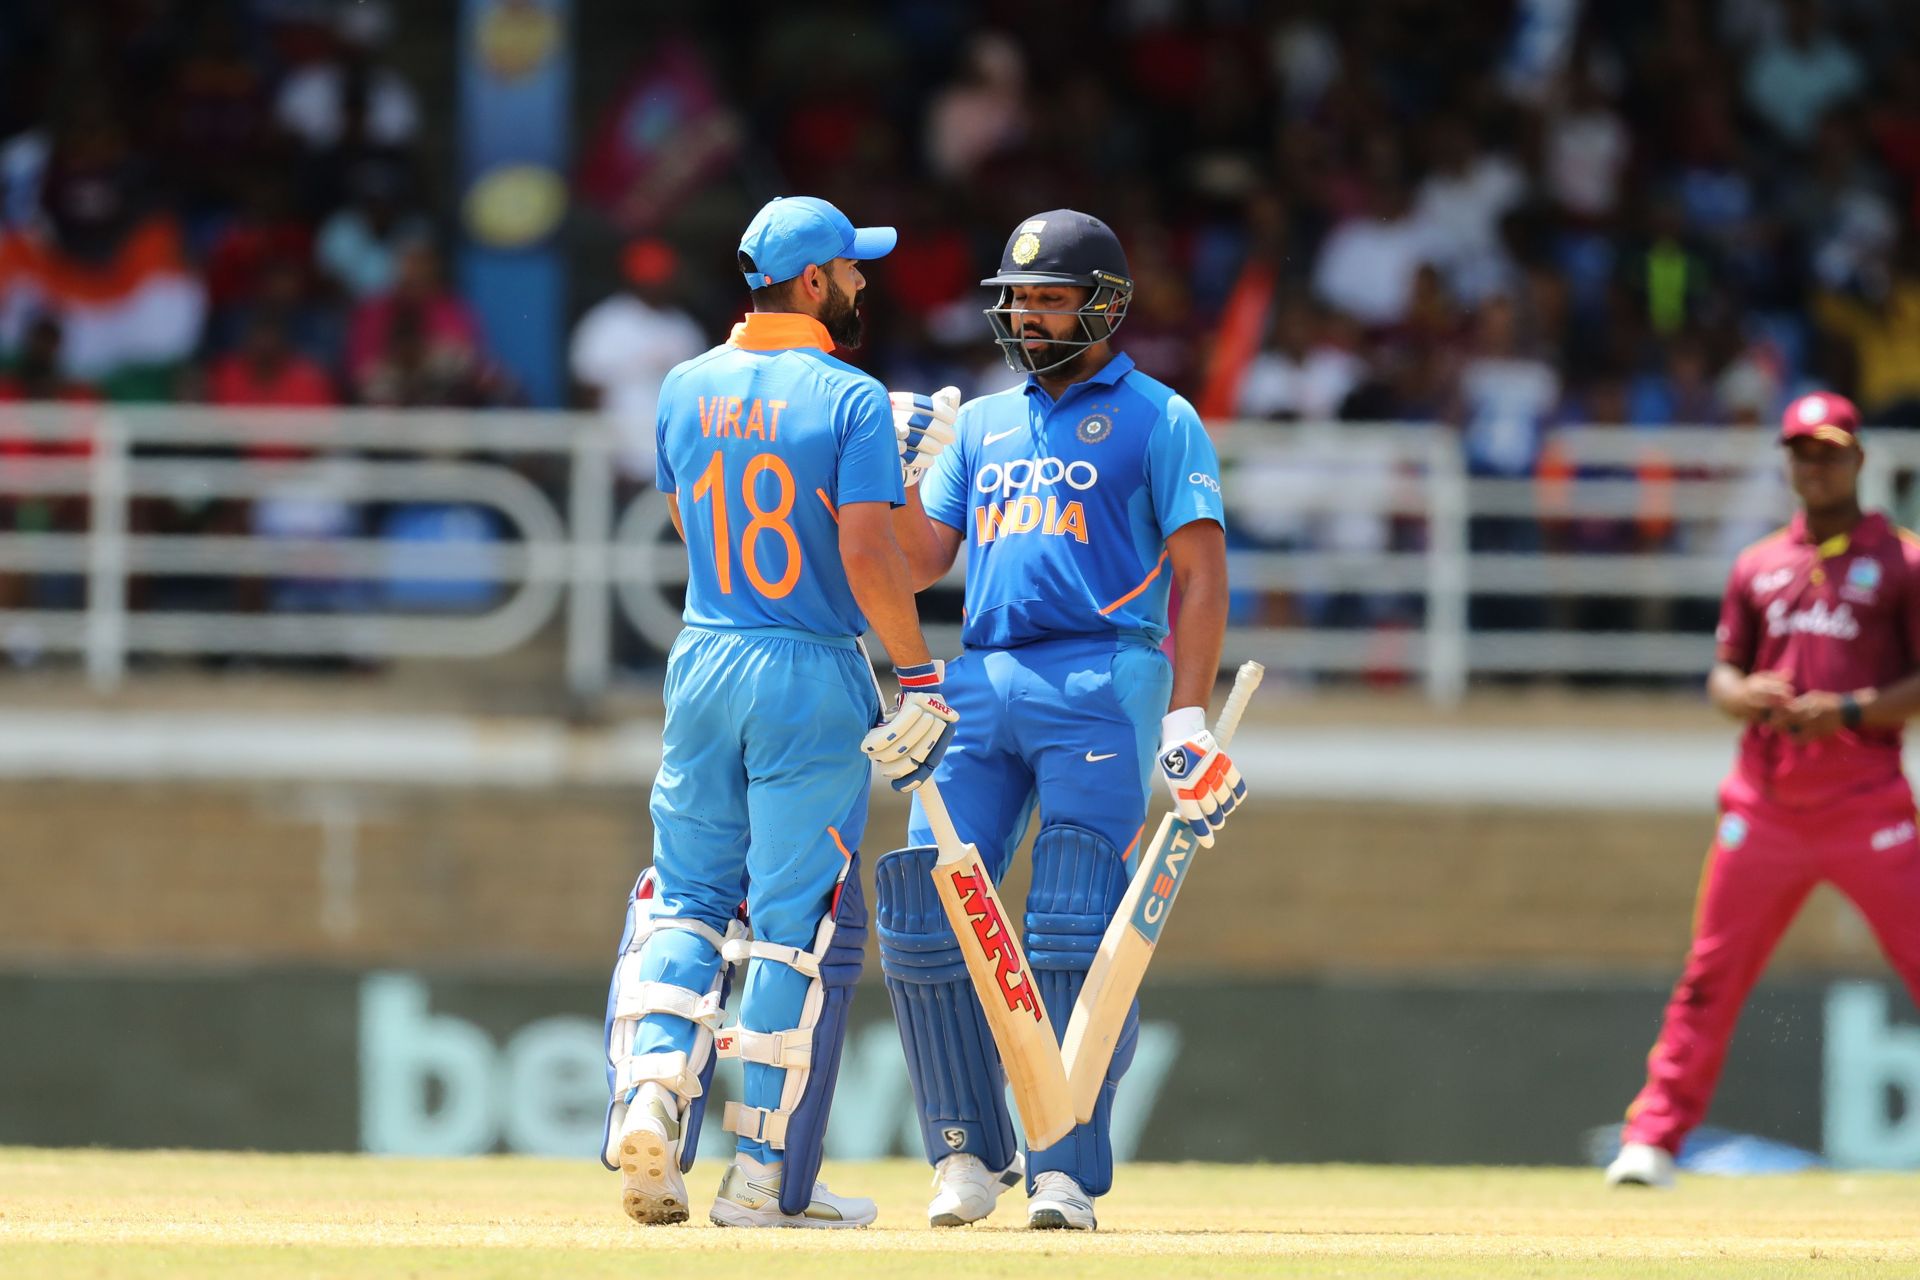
<point>1094,759</point>
<point>1001,435</point>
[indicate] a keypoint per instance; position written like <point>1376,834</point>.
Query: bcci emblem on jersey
<point>1094,428</point>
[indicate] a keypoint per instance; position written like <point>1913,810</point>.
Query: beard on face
<point>1050,351</point>
<point>840,315</point>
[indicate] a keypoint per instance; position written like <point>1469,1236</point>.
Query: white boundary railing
<point>1296,496</point>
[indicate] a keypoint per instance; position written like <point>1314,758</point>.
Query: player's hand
<point>907,745</point>
<point>1763,695</point>
<point>923,427</point>
<point>1811,716</point>
<point>1205,785</point>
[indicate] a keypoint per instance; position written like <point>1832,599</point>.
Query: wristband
<point>1850,711</point>
<point>924,678</point>
<point>1183,723</point>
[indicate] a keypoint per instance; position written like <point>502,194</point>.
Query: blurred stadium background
<point>333,594</point>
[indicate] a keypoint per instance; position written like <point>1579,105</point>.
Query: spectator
<point>269,372</point>
<point>351,100</point>
<point>359,245</point>
<point>417,344</point>
<point>1798,75</point>
<point>1844,214</point>
<point>1682,393</point>
<point>1587,150</point>
<point>33,377</point>
<point>1880,325</point>
<point>311,505</point>
<point>981,114</point>
<point>625,345</point>
<point>1306,372</point>
<point>1506,393</point>
<point>1461,203</point>
<point>1367,266</point>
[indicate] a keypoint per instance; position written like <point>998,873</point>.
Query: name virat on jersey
<point>737,418</point>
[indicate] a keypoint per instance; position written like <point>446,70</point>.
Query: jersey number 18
<point>713,481</point>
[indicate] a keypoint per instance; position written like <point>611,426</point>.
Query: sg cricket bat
<point>1127,947</point>
<point>1001,979</point>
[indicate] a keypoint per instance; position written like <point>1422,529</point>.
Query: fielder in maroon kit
<point>1819,653</point>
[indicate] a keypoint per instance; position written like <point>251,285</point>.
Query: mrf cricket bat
<point>1126,949</point>
<point>1002,980</point>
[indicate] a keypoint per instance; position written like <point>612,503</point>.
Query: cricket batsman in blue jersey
<point>782,467</point>
<point>1081,496</point>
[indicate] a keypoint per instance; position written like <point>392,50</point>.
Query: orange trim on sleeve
<point>840,844</point>
<point>1144,584</point>
<point>828,503</point>
<point>779,331</point>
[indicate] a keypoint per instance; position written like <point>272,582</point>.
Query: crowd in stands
<point>1498,216</point>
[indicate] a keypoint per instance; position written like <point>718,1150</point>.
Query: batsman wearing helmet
<point>1083,496</point>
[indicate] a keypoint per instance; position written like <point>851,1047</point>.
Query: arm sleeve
<point>1734,637</point>
<point>869,467</point>
<point>662,465</point>
<point>943,489</point>
<point>1183,471</point>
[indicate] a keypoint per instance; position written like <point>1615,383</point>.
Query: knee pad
<point>1078,882</point>
<point>632,997</point>
<point>958,1082</point>
<point>809,1052</point>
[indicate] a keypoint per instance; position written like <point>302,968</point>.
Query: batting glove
<point>1205,785</point>
<point>907,745</point>
<point>923,426</point>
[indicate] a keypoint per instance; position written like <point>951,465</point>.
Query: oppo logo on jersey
<point>1819,620</point>
<point>1035,473</point>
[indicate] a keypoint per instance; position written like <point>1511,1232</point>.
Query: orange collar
<point>779,331</point>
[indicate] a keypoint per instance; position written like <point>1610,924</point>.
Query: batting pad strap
<point>635,997</point>
<point>793,1048</point>
<point>738,950</point>
<point>758,1124</point>
<point>701,927</point>
<point>673,1070</point>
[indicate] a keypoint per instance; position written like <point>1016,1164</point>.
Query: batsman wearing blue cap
<point>781,467</point>
<point>1083,495</point>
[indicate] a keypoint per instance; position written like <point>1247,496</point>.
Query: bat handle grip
<point>1244,683</point>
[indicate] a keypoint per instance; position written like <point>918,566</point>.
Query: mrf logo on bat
<point>995,942</point>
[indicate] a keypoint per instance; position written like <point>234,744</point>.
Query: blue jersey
<point>764,439</point>
<point>1066,506</point>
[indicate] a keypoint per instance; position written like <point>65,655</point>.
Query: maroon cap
<point>1821,415</point>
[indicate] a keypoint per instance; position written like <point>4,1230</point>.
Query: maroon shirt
<point>1837,616</point>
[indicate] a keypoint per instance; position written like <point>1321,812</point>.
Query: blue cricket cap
<point>792,233</point>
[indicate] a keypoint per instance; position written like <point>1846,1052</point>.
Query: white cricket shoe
<point>750,1197</point>
<point>1058,1204</point>
<point>1640,1164</point>
<point>965,1190</point>
<point>651,1188</point>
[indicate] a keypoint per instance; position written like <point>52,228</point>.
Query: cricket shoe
<point>965,1190</point>
<point>750,1197</point>
<point>1058,1204</point>
<point>1640,1164</point>
<point>651,1188</point>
